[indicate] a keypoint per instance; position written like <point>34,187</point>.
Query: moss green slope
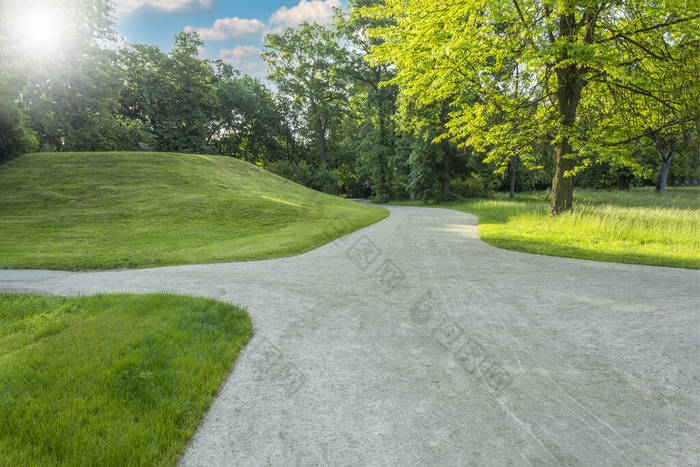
<point>117,209</point>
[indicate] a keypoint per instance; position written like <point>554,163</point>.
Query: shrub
<point>472,186</point>
<point>297,172</point>
<point>325,180</point>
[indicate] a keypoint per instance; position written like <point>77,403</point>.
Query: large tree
<point>172,94</point>
<point>304,65</point>
<point>373,103</point>
<point>63,84</point>
<point>658,102</point>
<point>503,59</point>
<point>248,122</point>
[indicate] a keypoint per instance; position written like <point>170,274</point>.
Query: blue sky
<point>232,30</point>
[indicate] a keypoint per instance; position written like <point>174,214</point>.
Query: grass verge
<point>110,379</point>
<point>82,211</point>
<point>638,226</point>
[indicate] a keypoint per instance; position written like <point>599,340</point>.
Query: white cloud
<point>245,58</point>
<point>318,11</point>
<point>229,28</point>
<point>313,11</point>
<point>162,7</point>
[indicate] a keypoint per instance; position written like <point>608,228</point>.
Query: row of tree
<point>398,98</point>
<point>439,91</point>
<point>101,99</point>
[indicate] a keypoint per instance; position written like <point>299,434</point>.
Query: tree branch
<point>647,29</point>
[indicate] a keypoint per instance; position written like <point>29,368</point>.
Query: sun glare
<point>41,30</point>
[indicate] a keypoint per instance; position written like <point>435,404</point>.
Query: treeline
<point>140,97</point>
<point>365,108</point>
<point>435,99</point>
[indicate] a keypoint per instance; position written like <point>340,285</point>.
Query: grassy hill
<point>78,211</point>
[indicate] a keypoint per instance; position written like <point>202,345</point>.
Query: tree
<point>248,122</point>
<point>373,103</point>
<point>15,136</point>
<point>659,101</point>
<point>76,108</point>
<point>65,99</point>
<point>468,48</point>
<point>304,64</point>
<point>433,156</point>
<point>173,95</point>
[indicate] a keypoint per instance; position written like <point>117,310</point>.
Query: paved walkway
<point>412,342</point>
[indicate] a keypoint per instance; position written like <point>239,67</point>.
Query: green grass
<point>110,379</point>
<point>638,226</point>
<point>78,211</point>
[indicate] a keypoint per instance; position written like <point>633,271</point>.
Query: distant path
<point>478,354</point>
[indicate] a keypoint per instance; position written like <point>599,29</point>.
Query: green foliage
<point>90,98</point>
<point>171,94</point>
<point>527,72</point>
<point>76,109</point>
<point>370,134</point>
<point>655,105</point>
<point>424,176</point>
<point>110,379</point>
<point>248,121</point>
<point>325,180</point>
<point>303,63</point>
<point>473,186</point>
<point>299,172</point>
<point>69,98</point>
<point>15,136</point>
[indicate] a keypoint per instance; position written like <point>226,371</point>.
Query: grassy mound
<point>110,379</point>
<point>638,226</point>
<point>116,210</point>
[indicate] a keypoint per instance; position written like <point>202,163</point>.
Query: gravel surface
<point>413,342</point>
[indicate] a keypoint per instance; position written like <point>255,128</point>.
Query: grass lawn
<point>638,226</point>
<point>110,379</point>
<point>77,211</point>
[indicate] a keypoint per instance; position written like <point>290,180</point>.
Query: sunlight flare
<point>41,30</point>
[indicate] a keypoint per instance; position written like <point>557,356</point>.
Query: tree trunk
<point>445,186</point>
<point>663,176</point>
<point>445,169</point>
<point>445,145</point>
<point>666,157</point>
<point>513,165</point>
<point>623,182</point>
<point>569,87</point>
<point>384,181</point>
<point>562,186</point>
<point>322,141</point>
<point>246,150</point>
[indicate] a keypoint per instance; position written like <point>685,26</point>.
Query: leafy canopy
<point>503,64</point>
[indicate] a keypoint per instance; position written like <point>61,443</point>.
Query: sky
<point>232,30</point>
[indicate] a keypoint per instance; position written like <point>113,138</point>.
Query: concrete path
<point>412,342</point>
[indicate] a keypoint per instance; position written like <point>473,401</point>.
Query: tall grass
<point>636,226</point>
